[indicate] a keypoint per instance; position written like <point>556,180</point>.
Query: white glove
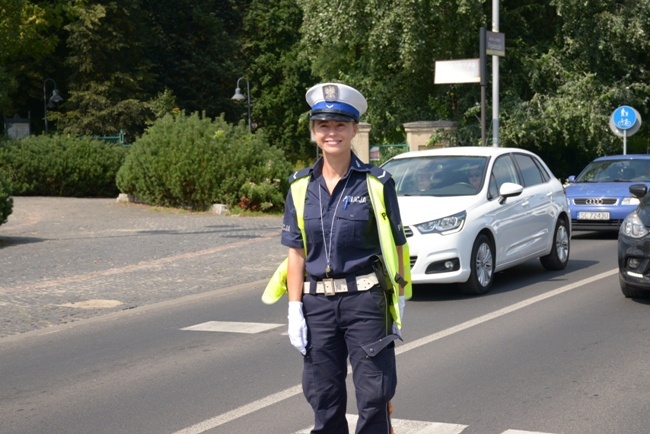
<point>297,327</point>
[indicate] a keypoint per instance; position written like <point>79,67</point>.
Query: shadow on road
<point>15,241</point>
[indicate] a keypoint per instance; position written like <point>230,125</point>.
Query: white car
<point>463,229</point>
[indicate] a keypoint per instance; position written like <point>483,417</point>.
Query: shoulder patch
<point>380,174</point>
<point>300,174</point>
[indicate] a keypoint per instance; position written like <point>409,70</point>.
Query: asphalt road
<point>553,353</point>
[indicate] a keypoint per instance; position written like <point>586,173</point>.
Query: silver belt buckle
<point>328,287</point>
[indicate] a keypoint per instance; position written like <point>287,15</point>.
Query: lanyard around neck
<point>328,250</point>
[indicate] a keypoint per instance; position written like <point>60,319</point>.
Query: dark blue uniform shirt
<point>346,216</point>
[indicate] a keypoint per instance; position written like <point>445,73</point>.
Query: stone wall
<point>361,142</point>
<point>417,136</point>
<point>419,133</point>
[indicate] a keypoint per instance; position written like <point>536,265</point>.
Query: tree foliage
<point>596,59</point>
<point>195,50</point>
<point>109,70</point>
<point>568,65</point>
<point>279,75</point>
<point>58,165</point>
<point>388,51</point>
<point>24,34</point>
<point>194,161</point>
<point>6,201</point>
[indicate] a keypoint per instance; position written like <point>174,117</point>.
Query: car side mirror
<point>638,190</point>
<point>509,189</point>
<point>571,179</point>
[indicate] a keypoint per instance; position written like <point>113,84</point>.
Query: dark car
<point>634,247</point>
<point>599,196</point>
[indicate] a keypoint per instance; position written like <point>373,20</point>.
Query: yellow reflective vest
<point>277,286</point>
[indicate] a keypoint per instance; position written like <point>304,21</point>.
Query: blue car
<point>599,197</point>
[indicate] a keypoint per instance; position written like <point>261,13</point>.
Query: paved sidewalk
<point>66,259</point>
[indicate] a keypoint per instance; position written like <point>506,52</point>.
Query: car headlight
<point>630,201</point>
<point>633,227</point>
<point>445,225</point>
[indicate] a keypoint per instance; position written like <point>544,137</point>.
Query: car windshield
<point>616,171</point>
<point>438,175</point>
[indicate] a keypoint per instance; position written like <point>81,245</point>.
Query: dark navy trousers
<point>358,325</point>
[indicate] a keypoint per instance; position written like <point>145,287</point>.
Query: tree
<point>388,51</point>
<point>195,51</point>
<point>596,60</point>
<point>279,76</point>
<point>25,39</point>
<point>110,74</point>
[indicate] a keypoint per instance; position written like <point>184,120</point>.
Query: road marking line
<point>246,409</point>
<point>404,426</point>
<point>516,431</point>
<point>232,327</point>
<point>497,313</point>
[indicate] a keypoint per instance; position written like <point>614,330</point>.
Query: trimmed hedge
<point>61,166</point>
<point>6,202</point>
<point>193,162</point>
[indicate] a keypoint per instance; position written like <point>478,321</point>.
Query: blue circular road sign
<point>624,117</point>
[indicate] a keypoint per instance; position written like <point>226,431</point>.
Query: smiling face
<point>334,137</point>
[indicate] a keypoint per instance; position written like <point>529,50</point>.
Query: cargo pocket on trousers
<point>379,372</point>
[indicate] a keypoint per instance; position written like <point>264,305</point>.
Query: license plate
<point>593,216</point>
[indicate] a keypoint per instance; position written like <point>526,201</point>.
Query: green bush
<point>6,202</point>
<point>193,162</point>
<point>62,166</point>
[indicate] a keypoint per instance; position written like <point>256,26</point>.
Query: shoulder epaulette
<point>380,174</point>
<point>299,174</point>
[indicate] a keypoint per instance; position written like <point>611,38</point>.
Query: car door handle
<point>549,194</point>
<point>524,203</point>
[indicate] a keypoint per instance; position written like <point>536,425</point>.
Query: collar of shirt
<point>355,164</point>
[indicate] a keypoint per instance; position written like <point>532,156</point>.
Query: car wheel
<point>631,291</point>
<point>482,265</point>
<point>559,256</point>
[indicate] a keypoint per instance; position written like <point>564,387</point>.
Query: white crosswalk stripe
<point>403,426</point>
<point>232,327</point>
<point>400,426</point>
<point>518,431</point>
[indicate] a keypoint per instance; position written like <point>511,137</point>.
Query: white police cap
<point>335,102</point>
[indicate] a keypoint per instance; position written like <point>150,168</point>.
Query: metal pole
<point>45,102</point>
<point>248,95</point>
<point>483,72</point>
<point>495,79</point>
<point>56,98</point>
<point>248,100</point>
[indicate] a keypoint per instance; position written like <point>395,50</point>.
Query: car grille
<point>591,201</point>
<point>409,232</point>
<point>413,259</point>
<point>595,225</point>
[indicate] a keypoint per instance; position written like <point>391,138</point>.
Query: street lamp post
<point>54,99</point>
<point>238,97</point>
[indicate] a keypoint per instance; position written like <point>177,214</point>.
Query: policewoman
<point>340,302</point>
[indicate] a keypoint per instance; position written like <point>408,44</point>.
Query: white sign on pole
<point>457,71</point>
